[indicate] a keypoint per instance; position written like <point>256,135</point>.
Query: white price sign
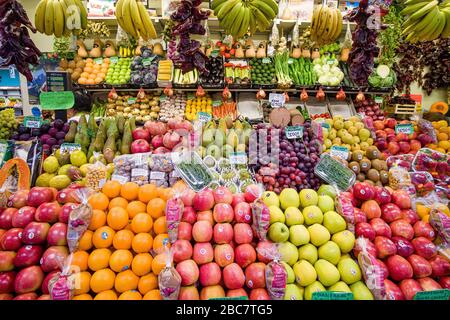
<point>294,132</point>
<point>203,116</point>
<point>277,100</point>
<point>119,178</point>
<point>404,128</point>
<point>70,147</point>
<point>157,175</point>
<point>339,151</point>
<point>238,158</point>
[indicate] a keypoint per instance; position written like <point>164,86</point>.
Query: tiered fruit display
<point>144,67</point>
<point>314,244</point>
<point>398,245</point>
<point>8,123</point>
<point>134,19</point>
<point>143,106</point>
<point>196,105</point>
<point>442,130</point>
<point>119,72</point>
<point>94,71</point>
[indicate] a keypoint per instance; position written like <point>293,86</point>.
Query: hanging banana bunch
<point>326,24</point>
<point>135,20</point>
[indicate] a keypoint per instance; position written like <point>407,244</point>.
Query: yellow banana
<point>137,21</point>
<point>261,20</point>
<point>265,9</point>
<point>235,28</point>
<point>148,24</point>
<point>252,24</point>
<point>119,15</point>
<point>272,4</point>
<point>58,19</point>
<point>446,32</point>
<point>39,16</point>
<point>73,17</point>
<point>230,18</point>
<point>127,19</point>
<point>424,10</point>
<point>226,8</point>
<point>243,27</point>
<point>339,24</point>
<point>49,18</point>
<point>330,27</point>
<point>66,32</point>
<point>83,13</point>
<point>323,21</point>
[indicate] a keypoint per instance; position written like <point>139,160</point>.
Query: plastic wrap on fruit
<point>96,176</point>
<point>260,218</point>
<point>174,211</point>
<point>317,131</point>
<point>399,178</point>
<point>276,274</point>
<point>169,279</point>
<point>426,127</point>
<point>372,271</point>
<point>344,206</point>
<point>79,219</point>
<point>62,284</point>
<point>441,223</point>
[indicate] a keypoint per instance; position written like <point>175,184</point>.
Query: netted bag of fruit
<point>344,206</point>
<point>62,285</point>
<point>276,274</point>
<point>426,127</point>
<point>260,212</point>
<point>174,212</point>
<point>169,279</point>
<point>96,176</point>
<point>79,218</point>
<point>441,223</point>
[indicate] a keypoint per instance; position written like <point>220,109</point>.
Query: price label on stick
<point>339,151</point>
<point>32,122</point>
<point>378,99</point>
<point>266,60</point>
<point>277,100</point>
<point>294,132</point>
<point>238,158</point>
<point>290,61</point>
<point>203,116</point>
<point>404,128</point>
<point>70,147</point>
<point>98,61</point>
<point>325,125</point>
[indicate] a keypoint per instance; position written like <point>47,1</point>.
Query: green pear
<point>328,190</point>
<point>312,214</point>
<point>208,137</point>
<point>360,291</point>
<point>276,215</point>
<point>325,203</point>
<point>290,272</point>
<point>288,253</point>
<point>278,232</point>
<point>349,270</point>
<point>318,234</point>
<point>340,286</point>
<point>289,198</point>
<point>305,274</point>
<point>345,240</point>
<point>308,252</point>
<point>293,292</point>
<point>334,222</point>
<point>316,286</point>
<point>327,273</point>
<point>293,216</point>
<point>308,197</point>
<point>330,251</point>
<point>345,256</point>
<point>270,198</point>
<point>298,235</point>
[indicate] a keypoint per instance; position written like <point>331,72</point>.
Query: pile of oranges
<point>94,72</point>
<point>122,252</point>
<point>442,130</point>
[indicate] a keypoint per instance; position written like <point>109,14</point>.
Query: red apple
<point>382,195</point>
<point>223,212</point>
<point>255,275</point>
<point>237,293</point>
<point>23,216</point>
<point>402,199</point>
<point>48,212</point>
<point>385,247</point>
<point>410,216</point>
<point>203,253</point>
<point>404,247</point>
<point>18,199</point>
<point>27,296</point>
<point>421,267</point>
<point>381,134</point>
<point>203,200</point>
<point>189,293</point>
<point>390,123</point>
<point>210,274</point>
<point>393,292</point>
<point>405,147</point>
<point>415,145</point>
<point>233,276</point>
<point>364,229</point>
<point>260,248</point>
<point>54,258</point>
<point>7,260</point>
<point>188,271</point>
<point>401,228</point>
<point>202,231</point>
<point>259,294</point>
<point>401,137</point>
<point>182,250</point>
<point>48,277</point>
<point>244,255</point>
<point>444,282</point>
<point>371,209</point>
<point>212,292</point>
<point>223,233</point>
<point>223,195</point>
<point>28,256</point>
<point>140,146</point>
<point>252,192</point>
<point>141,133</point>
<point>39,195</point>
<point>378,125</point>
<point>189,215</point>
<point>223,254</point>
<point>393,147</point>
<point>424,247</point>
<point>363,191</point>
<point>35,233</point>
<point>360,216</point>
<point>409,288</point>
<point>243,233</point>
<point>184,231</point>
<point>390,131</point>
<point>187,197</point>
<point>28,280</point>
<point>57,235</point>
<point>237,198</point>
<point>6,218</point>
<point>390,212</point>
<point>429,284</point>
<point>440,266</point>
<point>66,209</point>
<point>205,216</point>
<point>7,282</point>
<point>424,229</point>
<point>11,240</point>
<point>243,212</point>
<point>381,228</point>
<point>399,268</point>
<point>67,195</point>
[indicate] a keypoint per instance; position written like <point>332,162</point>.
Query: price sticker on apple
<point>294,132</point>
<point>32,122</point>
<point>70,147</point>
<point>277,100</point>
<point>203,117</point>
<point>238,158</point>
<point>339,151</point>
<point>404,128</point>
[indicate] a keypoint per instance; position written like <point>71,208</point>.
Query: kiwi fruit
<point>373,175</point>
<point>377,165</point>
<point>361,177</point>
<point>372,153</point>
<point>365,165</point>
<point>357,155</point>
<point>354,166</point>
<point>384,165</point>
<point>384,177</point>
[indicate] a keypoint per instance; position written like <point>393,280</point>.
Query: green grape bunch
<point>8,123</point>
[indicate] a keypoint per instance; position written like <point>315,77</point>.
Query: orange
<point>426,218</point>
<point>99,201</point>
<point>130,295</point>
<point>160,225</point>
<point>118,202</point>
<point>111,188</point>
<point>159,241</point>
<point>156,208</point>
<point>122,239</point>
<point>82,280</point>
<point>147,192</point>
<point>165,193</point>
<point>117,218</point>
<point>442,136</point>
<point>103,237</point>
<point>102,280</point>
<point>80,261</point>
<point>152,295</point>
<point>135,207</point>
<point>444,145</point>
<point>422,210</point>
<point>106,295</point>
<point>142,264</point>
<point>147,283</point>
<point>99,259</point>
<point>84,296</point>
<point>129,191</point>
<point>142,222</point>
<point>158,263</point>
<point>120,260</point>
<point>85,242</point>
<point>126,280</point>
<point>98,219</point>
<point>142,243</point>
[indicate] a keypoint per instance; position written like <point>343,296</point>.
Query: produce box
<point>403,108</point>
<point>248,107</point>
<point>315,107</point>
<point>345,108</point>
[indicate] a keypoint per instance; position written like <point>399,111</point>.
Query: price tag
<point>266,60</point>
<point>147,61</point>
<point>277,100</point>
<point>98,61</point>
<point>119,178</point>
<point>238,158</point>
<point>332,295</point>
<point>138,172</point>
<point>404,128</point>
<point>290,61</point>
<point>61,100</point>
<point>216,103</point>
<point>339,151</point>
<point>443,294</point>
<point>69,147</point>
<point>330,61</point>
<point>157,175</point>
<point>190,96</point>
<point>215,53</point>
<point>32,122</point>
<point>378,99</point>
<point>203,116</point>
<point>325,125</point>
<point>12,72</point>
<point>131,100</point>
<point>294,132</point>
<point>114,60</point>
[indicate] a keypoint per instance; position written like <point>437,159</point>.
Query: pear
<point>349,270</point>
<point>327,273</point>
<point>308,252</point>
<point>345,240</point>
<point>270,198</point>
<point>360,291</point>
<point>312,214</point>
<point>288,253</point>
<point>318,234</point>
<point>289,198</point>
<point>334,222</point>
<point>340,286</point>
<point>330,251</point>
<point>293,292</point>
<point>305,274</point>
<point>276,215</point>
<point>316,286</point>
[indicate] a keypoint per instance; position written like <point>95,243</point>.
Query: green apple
<point>345,240</point>
<point>345,256</point>
<point>278,232</point>
<point>328,190</point>
<point>327,273</point>
<point>349,270</point>
<point>289,198</point>
<point>308,252</point>
<point>293,292</point>
<point>325,203</point>
<point>330,251</point>
<point>276,215</point>
<point>308,197</point>
<point>305,274</point>
<point>318,234</point>
<point>270,198</point>
<point>288,253</point>
<point>360,291</point>
<point>334,222</point>
<point>298,235</point>
<point>316,286</point>
<point>339,286</point>
<point>293,216</point>
<point>290,272</point>
<point>312,214</point>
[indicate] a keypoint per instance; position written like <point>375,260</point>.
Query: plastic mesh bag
<point>79,219</point>
<point>174,212</point>
<point>169,279</point>
<point>276,275</point>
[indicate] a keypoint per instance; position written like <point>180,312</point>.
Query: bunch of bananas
<point>326,24</point>
<point>60,17</point>
<point>427,21</point>
<point>125,52</point>
<point>238,16</point>
<point>135,20</point>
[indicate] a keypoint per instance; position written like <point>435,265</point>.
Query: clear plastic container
<point>402,160</point>
<point>335,173</point>
<point>192,170</point>
<point>431,161</point>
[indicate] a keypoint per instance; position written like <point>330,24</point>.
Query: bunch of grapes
<point>7,123</point>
